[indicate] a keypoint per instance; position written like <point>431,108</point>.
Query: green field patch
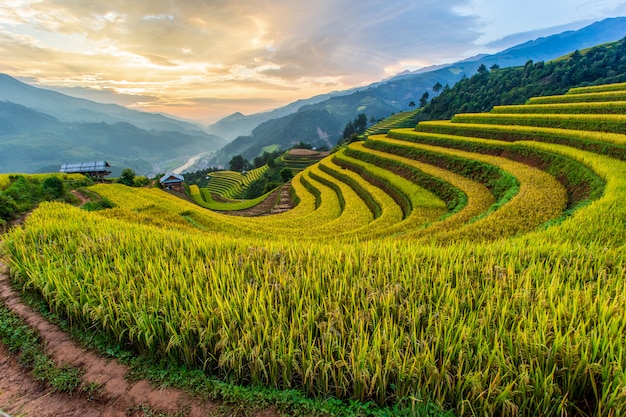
<point>581,98</point>
<point>398,120</point>
<point>204,199</point>
<point>270,148</point>
<point>604,107</point>
<point>597,88</point>
<point>418,205</point>
<point>581,183</point>
<point>540,197</point>
<point>590,122</point>
<point>499,305</point>
<point>230,184</point>
<point>610,144</point>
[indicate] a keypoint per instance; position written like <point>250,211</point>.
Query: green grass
<point>203,198</point>
<point>270,148</point>
<point>509,303</point>
<point>24,342</point>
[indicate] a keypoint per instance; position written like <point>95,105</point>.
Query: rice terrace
<point>476,264</point>
<point>470,266</point>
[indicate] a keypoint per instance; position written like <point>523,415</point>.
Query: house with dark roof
<point>172,181</point>
<point>94,169</point>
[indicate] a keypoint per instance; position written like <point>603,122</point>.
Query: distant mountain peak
<point>72,109</point>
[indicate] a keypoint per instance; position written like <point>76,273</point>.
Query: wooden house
<point>94,169</point>
<point>173,182</point>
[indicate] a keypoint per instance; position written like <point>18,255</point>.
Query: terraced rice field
<point>396,121</point>
<point>229,184</point>
<point>477,264</point>
<point>298,159</point>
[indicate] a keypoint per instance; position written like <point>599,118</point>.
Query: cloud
<point>316,38</point>
<point>229,49</point>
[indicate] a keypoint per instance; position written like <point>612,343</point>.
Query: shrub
<point>127,177</point>
<point>286,174</point>
<point>8,208</point>
<point>53,188</point>
<point>141,181</point>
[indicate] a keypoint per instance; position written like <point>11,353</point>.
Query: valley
<point>470,265</point>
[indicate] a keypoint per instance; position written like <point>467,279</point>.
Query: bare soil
<point>22,395</point>
<point>82,197</point>
<point>308,153</point>
<point>269,205</point>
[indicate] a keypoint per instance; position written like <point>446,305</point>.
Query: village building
<point>95,169</point>
<point>173,182</point>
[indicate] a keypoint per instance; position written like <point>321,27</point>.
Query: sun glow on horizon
<point>202,61</point>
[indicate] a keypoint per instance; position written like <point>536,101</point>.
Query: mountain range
<point>41,129</point>
<point>326,118</point>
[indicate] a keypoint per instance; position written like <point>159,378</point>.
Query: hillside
<point>482,91</point>
<point>71,109</point>
<point>237,124</point>
<point>475,264</point>
<point>31,141</point>
<point>387,97</point>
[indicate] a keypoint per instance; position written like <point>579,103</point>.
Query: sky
<point>206,59</point>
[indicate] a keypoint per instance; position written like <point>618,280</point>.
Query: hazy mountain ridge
<point>238,124</point>
<point>392,95</point>
<point>73,129</point>
<point>71,109</point>
<point>32,141</point>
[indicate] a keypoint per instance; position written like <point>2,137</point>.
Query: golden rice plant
<point>603,107</point>
<point>492,310</point>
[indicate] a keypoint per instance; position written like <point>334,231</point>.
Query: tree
<point>424,99</point>
<point>237,163</point>
<point>411,104</point>
<point>141,181</point>
<point>127,177</point>
<point>53,187</point>
<point>286,174</point>
<point>302,145</point>
<point>482,69</point>
<point>348,130</point>
<point>354,128</point>
<point>575,56</point>
<point>360,123</point>
<point>437,87</point>
<point>255,189</point>
<point>494,67</point>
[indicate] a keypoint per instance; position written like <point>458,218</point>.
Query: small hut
<point>173,182</point>
<point>94,169</point>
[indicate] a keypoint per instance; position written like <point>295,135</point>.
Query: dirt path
<point>269,205</point>
<point>23,396</point>
<point>284,203</point>
<point>82,197</point>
